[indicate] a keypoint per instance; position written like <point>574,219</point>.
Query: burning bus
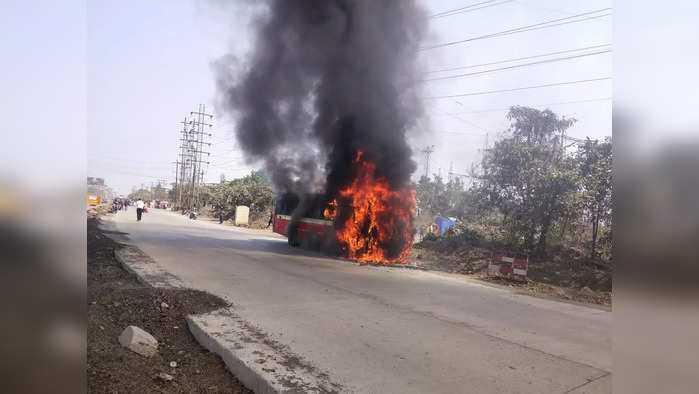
<point>330,111</point>
<point>368,221</point>
<point>303,222</point>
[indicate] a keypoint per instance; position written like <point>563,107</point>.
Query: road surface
<point>384,330</point>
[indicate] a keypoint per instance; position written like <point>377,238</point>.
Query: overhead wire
<point>527,105</point>
<point>521,29</point>
<point>518,59</point>
<point>515,66</point>
<point>469,8</point>
<point>518,88</point>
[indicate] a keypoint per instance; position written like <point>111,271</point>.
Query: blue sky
<point>136,68</point>
<point>149,64</point>
<point>42,76</point>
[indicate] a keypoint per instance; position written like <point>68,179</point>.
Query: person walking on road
<point>139,209</point>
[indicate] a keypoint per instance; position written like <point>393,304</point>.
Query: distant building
<point>96,187</point>
<point>95,181</point>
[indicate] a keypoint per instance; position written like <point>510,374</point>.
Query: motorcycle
<point>190,213</point>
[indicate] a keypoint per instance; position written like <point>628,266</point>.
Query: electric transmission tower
<point>183,163</point>
<point>198,126</point>
<point>428,151</point>
<point>189,168</point>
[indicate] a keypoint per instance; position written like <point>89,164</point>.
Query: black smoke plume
<point>327,78</point>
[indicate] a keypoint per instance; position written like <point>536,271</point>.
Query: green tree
<point>527,177</point>
<point>142,194</point>
<point>438,198</point>
<point>595,164</point>
<point>253,190</point>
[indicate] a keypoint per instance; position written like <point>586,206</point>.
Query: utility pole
<point>177,167</point>
<point>159,187</point>
<point>183,162</point>
<point>189,166</point>
<point>198,125</point>
<point>428,151</point>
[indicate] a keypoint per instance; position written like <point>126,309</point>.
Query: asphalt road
<point>384,330</point>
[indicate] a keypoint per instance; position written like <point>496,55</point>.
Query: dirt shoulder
<point>116,300</point>
<point>547,279</point>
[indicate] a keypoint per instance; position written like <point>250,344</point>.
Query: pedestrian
<point>139,209</point>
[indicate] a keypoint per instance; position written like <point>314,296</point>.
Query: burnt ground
<point>116,300</point>
<point>555,279</point>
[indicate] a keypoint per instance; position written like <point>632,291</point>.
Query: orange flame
<point>331,210</point>
<point>378,227</point>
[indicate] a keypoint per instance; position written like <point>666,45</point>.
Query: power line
<point>224,139</point>
<point>235,160</point>
<point>125,163</point>
<point>526,4</point>
<point>461,133</point>
<point>516,66</point>
<point>528,105</point>
<point>468,121</point>
<point>517,89</point>
<point>438,14</point>
<point>469,8</point>
<point>225,153</point>
<point>518,59</point>
<point>113,158</point>
<point>136,174</point>
<point>536,26</point>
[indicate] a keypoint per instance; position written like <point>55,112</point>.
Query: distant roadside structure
<point>94,181</point>
<point>97,188</point>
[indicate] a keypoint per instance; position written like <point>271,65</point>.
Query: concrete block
<point>242,214</point>
<point>138,341</point>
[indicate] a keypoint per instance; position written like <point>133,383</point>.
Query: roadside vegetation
<point>253,191</point>
<point>536,192</point>
<point>157,192</point>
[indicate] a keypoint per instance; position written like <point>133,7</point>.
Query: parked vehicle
<point>93,200</point>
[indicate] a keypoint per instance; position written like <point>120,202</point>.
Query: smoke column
<point>325,79</point>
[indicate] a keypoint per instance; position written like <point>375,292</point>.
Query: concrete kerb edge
<point>248,376</point>
<point>125,265</point>
<point>262,364</point>
<point>236,365</point>
<point>146,270</point>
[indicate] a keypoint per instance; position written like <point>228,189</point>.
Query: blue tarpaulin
<point>443,223</point>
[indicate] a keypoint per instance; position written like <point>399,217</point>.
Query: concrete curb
<point>261,364</point>
<point>146,269</point>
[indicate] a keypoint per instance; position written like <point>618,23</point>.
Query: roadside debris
<point>139,341</point>
<point>165,377</point>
